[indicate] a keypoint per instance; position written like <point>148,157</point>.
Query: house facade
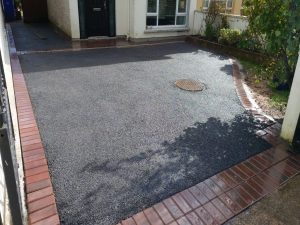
<point>123,18</point>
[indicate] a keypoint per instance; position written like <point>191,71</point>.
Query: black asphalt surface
<point>37,37</point>
<point>120,137</point>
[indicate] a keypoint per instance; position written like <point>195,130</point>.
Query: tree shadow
<point>202,150</point>
<point>215,54</point>
<point>42,62</point>
<point>227,69</point>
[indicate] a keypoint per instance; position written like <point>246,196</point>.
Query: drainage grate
<point>190,85</point>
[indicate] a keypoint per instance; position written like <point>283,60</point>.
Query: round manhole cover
<point>190,85</point>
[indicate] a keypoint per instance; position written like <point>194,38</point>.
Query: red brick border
<point>226,194</point>
<point>40,198</point>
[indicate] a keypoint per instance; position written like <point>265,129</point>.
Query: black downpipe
<point>81,10</point>
<point>112,18</point>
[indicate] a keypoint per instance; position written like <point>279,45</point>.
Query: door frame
<point>111,18</point>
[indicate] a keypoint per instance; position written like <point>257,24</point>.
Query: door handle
<point>97,9</point>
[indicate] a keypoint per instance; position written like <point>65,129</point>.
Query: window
<point>206,4</point>
<point>226,4</point>
<point>152,6</point>
<point>166,13</point>
<point>229,4</point>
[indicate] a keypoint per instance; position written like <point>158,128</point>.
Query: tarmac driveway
<point>118,134</point>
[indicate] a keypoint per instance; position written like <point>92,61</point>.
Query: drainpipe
<point>129,24</point>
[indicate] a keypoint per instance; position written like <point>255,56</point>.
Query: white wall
<point>235,22</point>
<point>64,15</point>
<point>293,108</point>
<point>74,19</point>
<point>58,14</point>
<point>199,23</point>
<point>122,17</point>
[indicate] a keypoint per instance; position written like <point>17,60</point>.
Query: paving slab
<point>279,208</point>
<point>38,36</point>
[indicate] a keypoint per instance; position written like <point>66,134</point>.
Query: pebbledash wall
<point>130,19</point>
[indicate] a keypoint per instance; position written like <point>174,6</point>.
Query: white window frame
<point>229,8</point>
<point>204,6</point>
<point>177,14</point>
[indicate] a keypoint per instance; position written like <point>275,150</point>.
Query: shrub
<point>277,22</point>
<point>250,42</point>
<point>211,33</point>
<point>224,22</point>
<point>211,20</point>
<point>277,71</point>
<point>230,36</point>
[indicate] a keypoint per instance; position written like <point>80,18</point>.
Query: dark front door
<point>97,18</point>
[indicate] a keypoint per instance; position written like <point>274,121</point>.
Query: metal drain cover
<point>190,85</point>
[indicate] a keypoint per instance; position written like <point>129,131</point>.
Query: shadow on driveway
<point>38,36</point>
<point>200,152</point>
<point>88,58</point>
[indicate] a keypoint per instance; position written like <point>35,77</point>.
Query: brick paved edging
<point>40,198</point>
<point>228,193</point>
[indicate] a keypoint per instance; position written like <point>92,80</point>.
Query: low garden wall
<point>227,50</point>
<point>234,21</point>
